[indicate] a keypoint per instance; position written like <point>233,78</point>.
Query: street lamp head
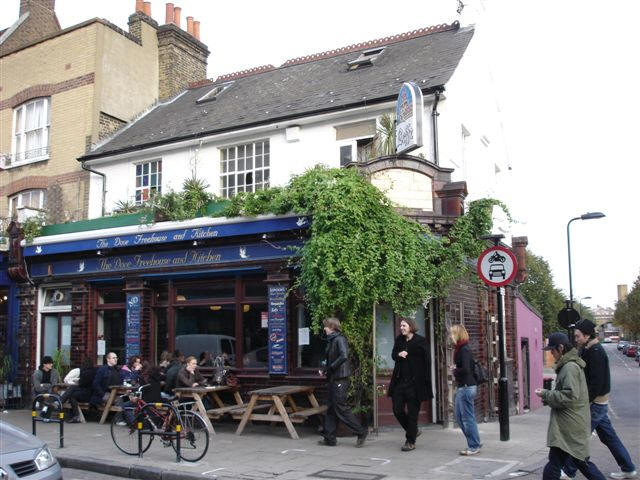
<point>592,215</point>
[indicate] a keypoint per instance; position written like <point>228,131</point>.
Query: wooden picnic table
<point>113,391</point>
<point>199,393</point>
<point>282,407</point>
<point>60,389</point>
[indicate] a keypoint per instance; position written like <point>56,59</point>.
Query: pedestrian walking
<point>598,377</point>
<point>467,388</point>
<point>569,424</point>
<point>338,371</point>
<point>410,383</point>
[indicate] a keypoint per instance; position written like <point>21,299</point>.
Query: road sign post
<point>497,266</point>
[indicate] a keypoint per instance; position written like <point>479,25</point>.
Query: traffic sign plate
<point>497,266</point>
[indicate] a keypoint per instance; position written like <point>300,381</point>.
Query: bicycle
<point>194,436</point>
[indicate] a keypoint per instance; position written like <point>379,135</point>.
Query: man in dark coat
<point>338,371</point>
<point>411,380</point>
<point>598,379</point>
<point>106,376</point>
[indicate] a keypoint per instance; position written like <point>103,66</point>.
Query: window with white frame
<point>31,122</point>
<point>148,180</point>
<point>32,199</point>
<point>245,168</point>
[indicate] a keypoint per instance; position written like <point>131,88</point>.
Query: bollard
<point>33,422</point>
<point>140,439</point>
<point>178,435</point>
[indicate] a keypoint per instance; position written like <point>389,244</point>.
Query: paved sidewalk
<point>265,452</point>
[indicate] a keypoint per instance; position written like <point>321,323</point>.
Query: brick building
<point>64,90</point>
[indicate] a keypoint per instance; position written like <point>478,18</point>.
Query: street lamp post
<point>586,216</point>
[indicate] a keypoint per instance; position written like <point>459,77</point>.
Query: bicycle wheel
<point>125,434</point>
<point>194,436</point>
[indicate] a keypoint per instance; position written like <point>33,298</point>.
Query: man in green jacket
<point>570,422</point>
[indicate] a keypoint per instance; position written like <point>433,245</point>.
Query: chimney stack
<point>139,6</point>
<point>147,9</point>
<point>176,16</point>
<point>196,29</point>
<point>169,15</point>
<point>190,25</point>
<point>519,245</point>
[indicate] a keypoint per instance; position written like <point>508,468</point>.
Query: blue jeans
<point>602,425</point>
<point>466,415</point>
<point>558,458</point>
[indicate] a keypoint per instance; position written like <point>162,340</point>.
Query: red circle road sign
<point>497,266</point>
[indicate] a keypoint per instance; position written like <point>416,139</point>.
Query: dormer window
<point>366,58</point>
<point>214,93</point>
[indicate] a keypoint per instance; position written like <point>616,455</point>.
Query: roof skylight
<point>214,92</point>
<point>366,58</point>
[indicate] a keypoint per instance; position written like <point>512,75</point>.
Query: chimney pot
<point>176,16</point>
<point>169,15</point>
<point>196,29</point>
<point>140,6</point>
<point>147,9</point>
<point>190,25</point>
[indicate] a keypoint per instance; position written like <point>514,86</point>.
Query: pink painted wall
<point>529,326</point>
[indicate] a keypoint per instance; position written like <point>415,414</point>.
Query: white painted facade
<point>469,133</point>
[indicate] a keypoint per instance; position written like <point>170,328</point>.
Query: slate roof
<point>301,87</point>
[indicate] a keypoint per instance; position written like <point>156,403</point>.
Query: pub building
<point>222,285</point>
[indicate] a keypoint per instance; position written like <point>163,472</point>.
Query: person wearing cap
<point>43,380</point>
<point>569,424</point>
<point>45,376</point>
<point>598,379</point>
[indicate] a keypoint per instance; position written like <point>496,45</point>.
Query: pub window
<point>207,330</point>
<point>186,293</point>
<point>311,346</point>
<point>148,180</point>
<point>111,322</point>
<point>56,322</point>
<point>386,333</point>
<point>254,334</point>
<point>245,168</point>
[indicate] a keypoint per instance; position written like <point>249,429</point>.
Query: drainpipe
<point>104,183</point>
<point>434,125</point>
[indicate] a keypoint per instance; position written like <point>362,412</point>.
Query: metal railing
<point>14,159</point>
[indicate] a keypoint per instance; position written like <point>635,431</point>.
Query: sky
<point>566,76</point>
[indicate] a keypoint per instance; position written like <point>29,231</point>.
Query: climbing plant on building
<point>361,251</point>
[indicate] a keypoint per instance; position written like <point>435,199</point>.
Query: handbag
<point>480,374</point>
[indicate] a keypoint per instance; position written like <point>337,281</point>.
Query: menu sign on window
<point>278,329</point>
<point>132,332</point>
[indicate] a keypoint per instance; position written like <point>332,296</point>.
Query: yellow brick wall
<point>125,84</point>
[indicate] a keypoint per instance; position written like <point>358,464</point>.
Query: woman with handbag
<point>467,386</point>
<point>411,380</point>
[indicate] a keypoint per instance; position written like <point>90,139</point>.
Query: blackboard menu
<point>278,329</point>
<point>132,333</point>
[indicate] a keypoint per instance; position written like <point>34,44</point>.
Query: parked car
<point>632,350</point>
<point>23,455</point>
<point>621,344</point>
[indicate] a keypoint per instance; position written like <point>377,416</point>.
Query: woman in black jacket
<point>411,380</point>
<point>82,391</point>
<point>467,388</point>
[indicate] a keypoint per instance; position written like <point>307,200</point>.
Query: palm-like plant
<point>386,135</point>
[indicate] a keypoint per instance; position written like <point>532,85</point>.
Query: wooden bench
<point>309,411</point>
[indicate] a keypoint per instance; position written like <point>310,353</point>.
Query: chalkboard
<point>132,333</point>
<point>278,329</point>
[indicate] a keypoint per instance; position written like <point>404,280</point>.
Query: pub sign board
<point>277,329</point>
<point>409,112</point>
<point>132,331</point>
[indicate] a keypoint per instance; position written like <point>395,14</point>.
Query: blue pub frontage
<point>213,285</point>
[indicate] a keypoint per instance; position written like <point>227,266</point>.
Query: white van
<point>196,343</point>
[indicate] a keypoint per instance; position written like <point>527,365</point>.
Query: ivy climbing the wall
<point>361,251</point>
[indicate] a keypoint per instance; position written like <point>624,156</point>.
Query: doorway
<point>526,374</point>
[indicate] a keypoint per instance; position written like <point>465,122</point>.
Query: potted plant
<point>61,363</point>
